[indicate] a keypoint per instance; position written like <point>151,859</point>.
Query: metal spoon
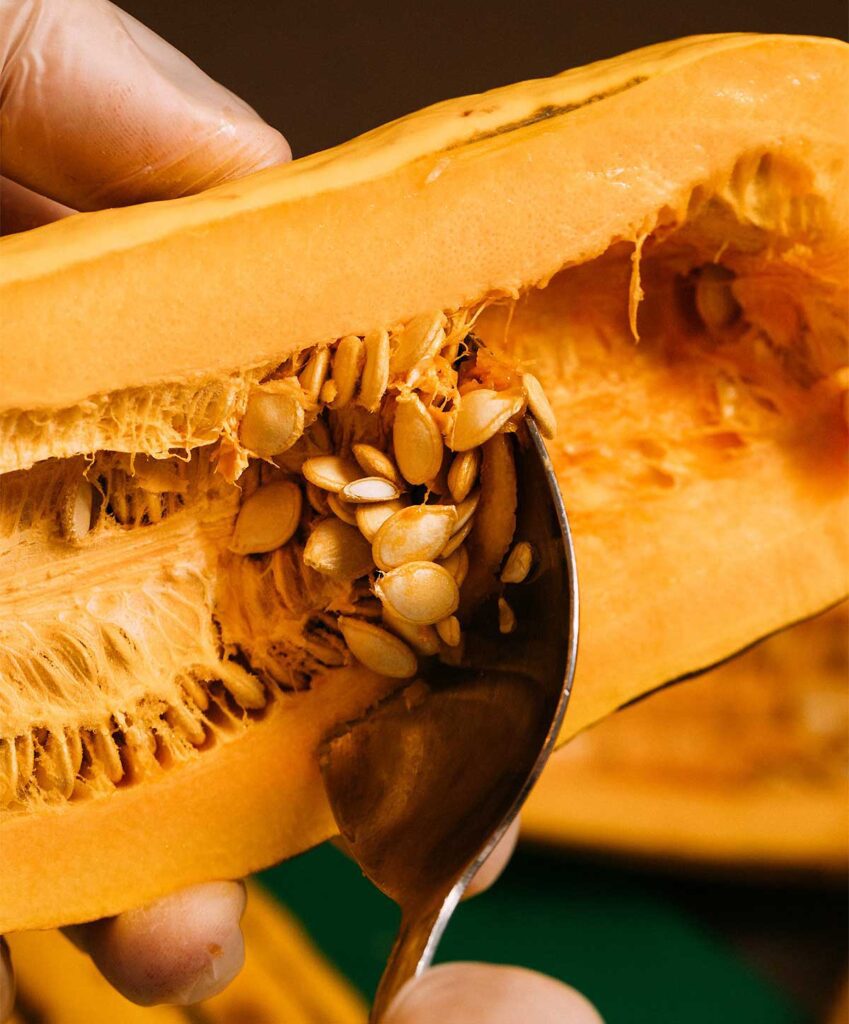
<point>425,784</point>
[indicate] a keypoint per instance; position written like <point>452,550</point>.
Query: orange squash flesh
<point>704,472</point>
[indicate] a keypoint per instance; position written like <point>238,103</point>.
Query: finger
<point>181,949</point>
<point>468,993</point>
<point>7,982</point>
<point>97,110</point>
<point>496,862</point>
<point>22,209</point>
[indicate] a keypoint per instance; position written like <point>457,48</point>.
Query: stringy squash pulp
<point>661,239</point>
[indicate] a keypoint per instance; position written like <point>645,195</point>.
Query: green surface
<point>622,938</point>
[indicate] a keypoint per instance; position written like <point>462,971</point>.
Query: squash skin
<point>167,293</point>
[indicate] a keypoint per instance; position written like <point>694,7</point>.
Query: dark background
<point>646,947</point>
<point>326,70</point>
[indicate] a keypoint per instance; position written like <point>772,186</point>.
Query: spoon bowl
<point>425,784</point>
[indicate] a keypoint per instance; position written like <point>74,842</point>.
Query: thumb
<point>472,993</point>
<point>97,110</point>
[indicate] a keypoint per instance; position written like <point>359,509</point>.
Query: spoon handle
<point>413,950</point>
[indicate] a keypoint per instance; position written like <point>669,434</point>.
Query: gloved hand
<point>99,111</point>
<point>96,111</point>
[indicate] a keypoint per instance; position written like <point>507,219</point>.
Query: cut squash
<point>746,767</point>
<point>661,239</point>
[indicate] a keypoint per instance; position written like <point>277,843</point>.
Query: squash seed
<point>76,512</point>
<point>267,519</point>
<point>341,509</point>
<point>330,472</point>
<point>457,563</point>
<point>481,415</point>
<point>313,375</point>
<point>518,563</point>
<point>347,366</point>
<point>370,518</point>
<point>317,499</point>
<point>374,462</point>
<point>273,420</point>
<point>423,639</point>
<point>463,474</point>
<point>439,484</point>
<point>715,301</point>
<point>420,592</point>
<point>376,370</point>
<point>539,406</point>
<point>319,437</point>
<point>422,338</point>
<point>328,392</point>
<point>449,630</point>
<point>338,550</point>
<point>457,540</point>
<point>495,521</point>
<point>466,509</point>
<point>416,441</point>
<point>54,767</point>
<point>378,649</point>
<point>369,489</point>
<point>453,655</point>
<point>415,534</point>
<point>506,617</point>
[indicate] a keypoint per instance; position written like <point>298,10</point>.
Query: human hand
<point>187,947</point>
<point>96,111</point>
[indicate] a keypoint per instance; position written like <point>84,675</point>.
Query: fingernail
<point>7,981</point>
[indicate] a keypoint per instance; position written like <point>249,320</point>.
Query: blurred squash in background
<point>285,980</point>
<point>745,766</point>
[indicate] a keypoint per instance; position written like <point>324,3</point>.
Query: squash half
<point>702,457</point>
<point>744,768</point>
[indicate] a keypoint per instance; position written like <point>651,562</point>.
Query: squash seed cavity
<point>349,532</point>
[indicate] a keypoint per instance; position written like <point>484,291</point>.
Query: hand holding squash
<point>100,111</point>
<point>97,110</point>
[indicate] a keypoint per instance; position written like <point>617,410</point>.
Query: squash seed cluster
<point>371,458</point>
